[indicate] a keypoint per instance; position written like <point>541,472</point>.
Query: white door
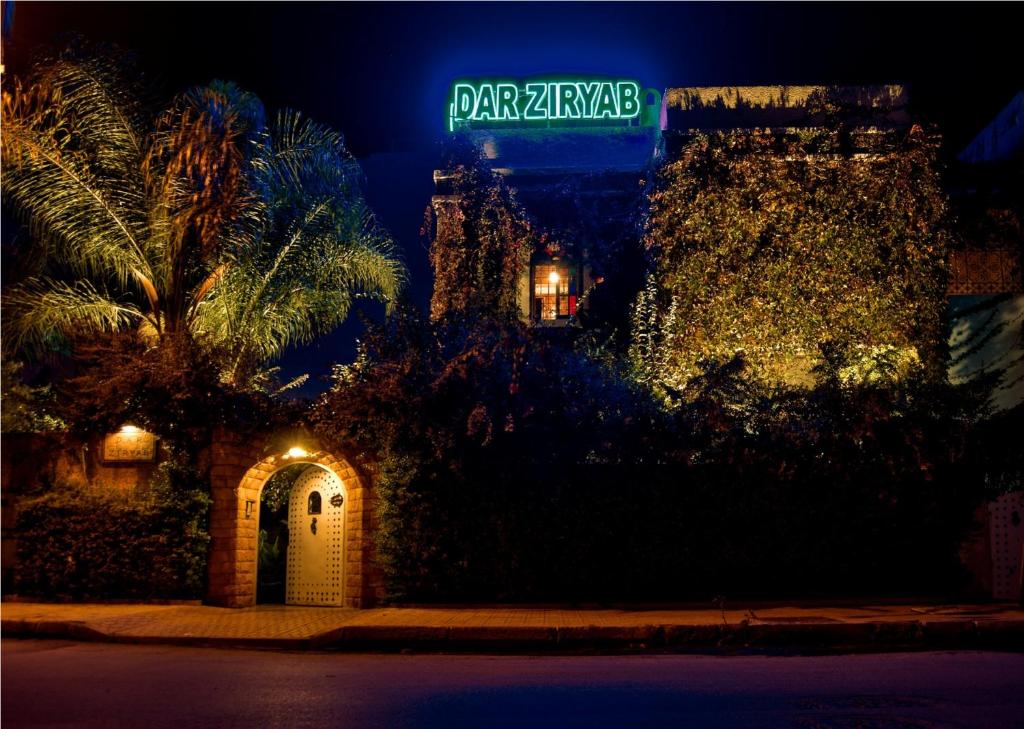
<point>1006,530</point>
<point>316,539</point>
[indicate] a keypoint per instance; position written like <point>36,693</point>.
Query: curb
<point>79,631</point>
<point>70,630</point>
<point>1000,635</point>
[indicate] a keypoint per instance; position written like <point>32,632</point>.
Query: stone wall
<point>32,461</point>
<point>239,469</point>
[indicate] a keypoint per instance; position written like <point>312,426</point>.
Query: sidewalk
<point>529,630</point>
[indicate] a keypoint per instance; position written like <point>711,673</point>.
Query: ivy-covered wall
<point>504,201</point>
<point>480,237</point>
<point>787,249</point>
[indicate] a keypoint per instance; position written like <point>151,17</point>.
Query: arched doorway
<point>346,518</point>
<point>315,573</point>
<point>301,546</point>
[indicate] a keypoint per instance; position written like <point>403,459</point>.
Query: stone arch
<point>239,470</point>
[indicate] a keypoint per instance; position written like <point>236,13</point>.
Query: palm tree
<point>314,248</point>
<point>204,220</point>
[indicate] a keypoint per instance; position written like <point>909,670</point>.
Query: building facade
<point>584,183</point>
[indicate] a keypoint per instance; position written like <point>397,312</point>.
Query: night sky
<point>379,73</point>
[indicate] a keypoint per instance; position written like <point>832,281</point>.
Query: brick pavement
<point>515,629</point>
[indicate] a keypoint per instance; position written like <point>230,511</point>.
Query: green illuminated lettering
<point>484,103</point>
<point>629,99</point>
<point>535,104</point>
<point>589,93</point>
<point>568,101</point>
<point>508,94</point>
<point>463,102</point>
<point>495,103</point>
<point>606,107</point>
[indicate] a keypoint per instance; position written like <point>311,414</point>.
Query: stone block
<point>594,635</point>
<point>497,637</point>
<point>220,560</point>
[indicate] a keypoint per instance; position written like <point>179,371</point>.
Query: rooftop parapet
<point>746,107</point>
<point>545,151</point>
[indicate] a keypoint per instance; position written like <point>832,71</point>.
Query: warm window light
<point>296,452</point>
<point>554,290</point>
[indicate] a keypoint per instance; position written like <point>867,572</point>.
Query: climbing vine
<point>483,238</point>
<point>777,246</point>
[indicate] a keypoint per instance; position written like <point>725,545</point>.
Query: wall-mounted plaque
<point>134,446</point>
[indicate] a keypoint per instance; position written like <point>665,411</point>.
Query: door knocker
<point>312,526</point>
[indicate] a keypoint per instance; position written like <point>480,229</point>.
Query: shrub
<point>511,466</point>
<point>472,428</point>
<point>79,544</point>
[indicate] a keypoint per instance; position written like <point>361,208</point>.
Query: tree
<point>203,219</point>
<point>315,249</point>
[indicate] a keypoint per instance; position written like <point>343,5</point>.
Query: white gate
<point>1006,527</point>
<point>316,539</point>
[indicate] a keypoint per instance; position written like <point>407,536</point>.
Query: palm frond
<point>42,311</point>
<point>319,248</point>
<point>300,158</point>
<point>86,218</point>
<point>292,384</point>
<point>194,166</point>
<point>104,89</point>
<point>368,267</point>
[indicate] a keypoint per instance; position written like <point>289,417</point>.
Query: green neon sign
<point>495,103</point>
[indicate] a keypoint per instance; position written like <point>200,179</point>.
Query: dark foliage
<point>84,544</point>
<point>477,430</point>
<point>836,490</point>
<point>511,466</point>
<point>172,389</point>
<point>483,238</point>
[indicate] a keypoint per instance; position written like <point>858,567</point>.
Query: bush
<point>513,467</point>
<point>840,490</point>
<point>83,544</point>
<point>472,426</point>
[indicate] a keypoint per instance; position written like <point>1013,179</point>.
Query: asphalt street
<point>56,683</point>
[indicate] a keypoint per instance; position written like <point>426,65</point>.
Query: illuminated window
<point>555,290</point>
<point>314,503</point>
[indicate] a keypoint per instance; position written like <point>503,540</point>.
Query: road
<point>55,683</point>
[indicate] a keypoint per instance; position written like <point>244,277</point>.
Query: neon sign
<point>490,103</point>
